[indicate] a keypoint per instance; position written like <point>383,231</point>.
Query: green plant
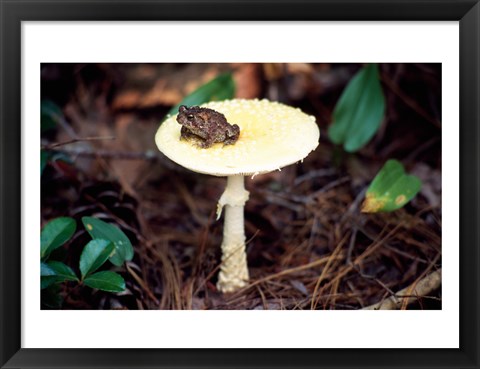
<point>108,243</point>
<point>359,111</point>
<point>356,118</point>
<point>220,88</point>
<point>391,189</point>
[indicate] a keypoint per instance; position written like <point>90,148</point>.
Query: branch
<point>74,140</point>
<point>410,294</point>
<point>109,154</point>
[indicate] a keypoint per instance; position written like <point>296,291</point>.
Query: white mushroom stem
<point>233,270</point>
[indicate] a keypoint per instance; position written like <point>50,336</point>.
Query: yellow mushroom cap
<point>272,135</point>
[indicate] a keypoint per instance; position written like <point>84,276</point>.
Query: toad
<point>206,126</point>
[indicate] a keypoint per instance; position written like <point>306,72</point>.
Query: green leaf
<point>62,271</point>
<point>220,88</point>
<point>94,254</point>
<point>99,229</point>
<point>55,272</point>
<point>48,276</point>
<point>45,270</point>
<point>50,113</point>
<point>55,234</point>
<point>359,111</point>
<point>106,281</point>
<point>391,189</point>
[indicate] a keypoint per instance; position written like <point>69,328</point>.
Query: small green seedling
<point>219,88</point>
<point>391,189</point>
<point>108,243</point>
<point>359,111</point>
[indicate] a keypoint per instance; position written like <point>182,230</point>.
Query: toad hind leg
<point>207,143</point>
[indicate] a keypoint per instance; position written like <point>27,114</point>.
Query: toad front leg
<point>232,134</point>
<point>208,142</point>
<point>186,134</point>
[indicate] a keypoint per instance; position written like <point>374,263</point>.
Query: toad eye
<point>190,116</point>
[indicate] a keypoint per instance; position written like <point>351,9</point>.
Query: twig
<point>78,139</point>
<point>281,202</point>
<point>142,284</point>
<point>370,250</point>
<point>328,187</point>
<point>313,174</point>
<point>355,204</point>
<point>351,245</point>
<point>422,288</point>
<point>264,300</point>
<point>149,155</point>
<point>373,278</point>
<point>357,267</point>
<point>300,268</point>
<point>414,284</point>
<point>315,301</point>
<point>65,125</point>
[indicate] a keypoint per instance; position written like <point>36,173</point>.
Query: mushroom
<point>272,135</point>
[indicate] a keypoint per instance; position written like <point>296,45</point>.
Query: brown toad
<point>206,126</point>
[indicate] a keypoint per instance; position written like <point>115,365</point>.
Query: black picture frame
<point>467,12</point>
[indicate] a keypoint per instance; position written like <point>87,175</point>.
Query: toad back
<point>205,127</point>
